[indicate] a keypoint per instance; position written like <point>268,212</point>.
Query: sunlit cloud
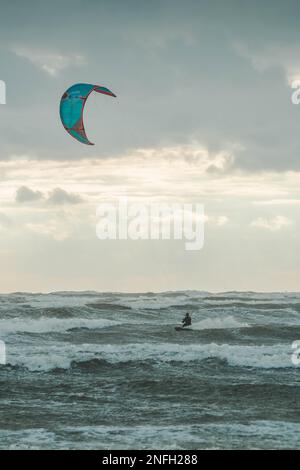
<point>274,224</point>
<point>179,172</point>
<point>278,202</point>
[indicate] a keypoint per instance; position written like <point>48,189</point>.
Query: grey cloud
<point>56,197</point>
<point>173,67</point>
<point>190,88</point>
<point>59,196</point>
<point>25,194</point>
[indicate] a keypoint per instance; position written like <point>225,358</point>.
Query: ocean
<point>88,370</point>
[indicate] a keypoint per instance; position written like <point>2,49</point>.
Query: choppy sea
<point>88,370</point>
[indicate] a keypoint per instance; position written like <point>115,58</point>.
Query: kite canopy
<point>72,105</point>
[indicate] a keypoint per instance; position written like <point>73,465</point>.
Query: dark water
<point>104,371</point>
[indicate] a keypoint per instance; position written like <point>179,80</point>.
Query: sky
<point>203,114</point>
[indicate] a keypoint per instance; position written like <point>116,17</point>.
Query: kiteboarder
<point>187,320</point>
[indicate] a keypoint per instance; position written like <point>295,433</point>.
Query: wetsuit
<point>187,321</point>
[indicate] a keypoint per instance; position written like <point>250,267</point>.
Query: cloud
<point>169,173</point>
<point>218,221</point>
<point>158,39</point>
<point>273,56</point>
<point>25,194</point>
<point>193,154</point>
<point>50,62</point>
<point>52,228</point>
<point>277,223</point>
<point>278,202</point>
<point>59,196</point>
<point>5,221</point>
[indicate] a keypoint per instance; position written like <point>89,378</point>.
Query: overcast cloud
<point>203,114</point>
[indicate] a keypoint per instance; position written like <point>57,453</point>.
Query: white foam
<point>46,324</point>
<point>154,303</point>
<point>60,356</point>
<point>218,323</point>
<point>253,435</point>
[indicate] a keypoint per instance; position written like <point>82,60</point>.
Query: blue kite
<point>72,105</point>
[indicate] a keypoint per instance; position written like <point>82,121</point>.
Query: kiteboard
<point>181,328</point>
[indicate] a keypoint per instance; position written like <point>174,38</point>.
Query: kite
<point>72,105</point>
